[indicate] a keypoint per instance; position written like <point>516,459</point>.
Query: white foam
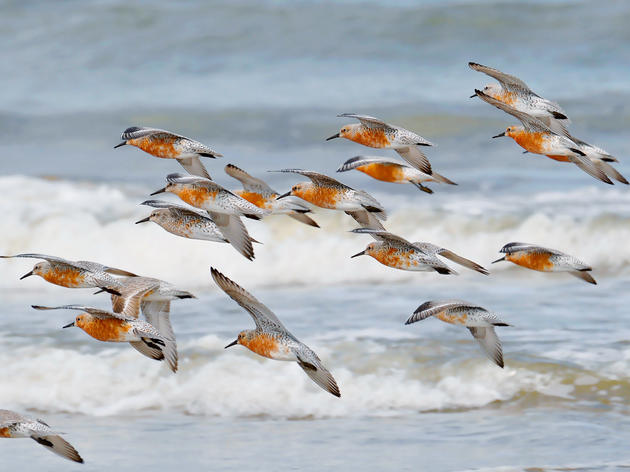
<point>95,222</point>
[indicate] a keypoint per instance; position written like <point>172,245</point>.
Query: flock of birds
<point>214,214</point>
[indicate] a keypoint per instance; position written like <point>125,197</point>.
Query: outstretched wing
<point>490,343</point>
<point>96,312</point>
<point>359,161</point>
<point>366,219</point>
<point>310,363</point>
<point>366,120</point>
<point>530,122</point>
<point>250,184</point>
<point>41,256</point>
<point>382,236</point>
<point>194,166</point>
<point>316,177</point>
<point>135,132</point>
<point>433,307</point>
<point>59,446</point>
<point>509,82</point>
<point>415,157</point>
<point>263,316</point>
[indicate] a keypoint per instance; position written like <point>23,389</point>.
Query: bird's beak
<point>231,344</point>
<point>26,275</point>
<point>69,325</point>
<point>162,190</point>
<point>499,135</point>
<point>499,260</point>
<point>333,137</point>
<point>473,96</point>
<point>121,144</point>
<point>358,254</point>
<point>144,220</point>
<point>284,195</point>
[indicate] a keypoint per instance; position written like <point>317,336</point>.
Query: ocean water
<point>262,82</point>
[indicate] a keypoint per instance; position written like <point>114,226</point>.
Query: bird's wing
<point>157,314</point>
<point>490,343</point>
<point>382,236</point>
<point>509,82</point>
<point>8,417</point>
<point>429,248</point>
<point>250,184</point>
<point>194,166</point>
<point>263,316</point>
<point>96,312</point>
<point>233,229</point>
<point>531,123</point>
<point>415,157</point>
<point>136,132</point>
<point>132,291</point>
<point>58,445</point>
<point>434,307</point>
<point>366,219</point>
<point>42,256</point>
<point>310,363</point>
<point>366,120</point>
<point>316,177</point>
<point>359,161</point>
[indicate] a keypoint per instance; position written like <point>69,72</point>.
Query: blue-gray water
<point>261,82</point>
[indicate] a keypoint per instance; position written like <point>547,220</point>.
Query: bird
<point>479,321</point>
<point>394,251</point>
<point>375,133</point>
<point>545,260</point>
<point>182,221</point>
<point>167,145</point>
<point>153,297</point>
<point>262,195</point>
<point>224,207</point>
<point>122,327</point>
<point>536,137</point>
<point>14,425</point>
<point>271,339</point>
<point>391,170</point>
<point>600,158</point>
<point>326,192</point>
<point>514,92</point>
<point>74,274</point>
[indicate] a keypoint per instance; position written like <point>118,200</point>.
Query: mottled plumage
<point>167,145</point>
<point>271,339</point>
<point>14,425</point>
<point>545,260</point>
<point>479,321</point>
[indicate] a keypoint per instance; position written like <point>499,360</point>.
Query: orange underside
<point>105,330</point>
<point>539,262</point>
<point>195,196</point>
<point>393,258</point>
<point>262,344</point>
<point>532,142</point>
<point>71,278</point>
<point>4,433</point>
<point>255,199</point>
<point>453,319</point>
<point>325,197</point>
<point>508,98</point>
<point>372,137</point>
<point>157,147</point>
<point>384,172</point>
<point>558,158</point>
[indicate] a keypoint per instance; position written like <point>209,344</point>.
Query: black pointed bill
<point>121,144</point>
<point>26,275</point>
<point>144,220</point>
<point>233,343</point>
<point>162,190</point>
<point>499,260</point>
<point>333,137</point>
<point>499,135</point>
<point>284,195</point>
<point>69,325</point>
<point>358,254</point>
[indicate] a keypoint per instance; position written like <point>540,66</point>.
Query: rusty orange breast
<point>255,199</point>
<point>325,197</point>
<point>532,142</point>
<point>196,196</point>
<point>66,277</point>
<point>558,158</point>
<point>5,433</point>
<point>372,137</point>
<point>262,344</point>
<point>110,329</point>
<point>508,98</point>
<point>384,172</point>
<point>158,147</point>
<point>459,318</point>
<point>534,261</point>
<point>392,257</point>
